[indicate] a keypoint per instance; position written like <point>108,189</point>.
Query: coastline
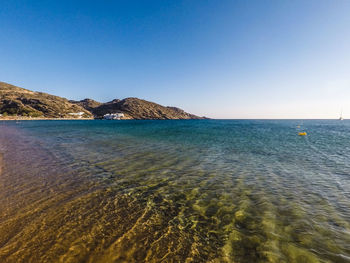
<point>67,119</point>
<point>36,119</point>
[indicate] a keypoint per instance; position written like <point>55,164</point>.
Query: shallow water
<point>175,191</point>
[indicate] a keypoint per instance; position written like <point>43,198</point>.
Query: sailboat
<point>341,115</point>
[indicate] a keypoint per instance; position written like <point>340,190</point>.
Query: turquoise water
<point>175,191</point>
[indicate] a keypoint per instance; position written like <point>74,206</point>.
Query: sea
<point>175,191</point>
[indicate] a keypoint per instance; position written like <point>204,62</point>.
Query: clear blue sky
<point>222,59</point>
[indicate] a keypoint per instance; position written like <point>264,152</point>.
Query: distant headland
<point>19,103</point>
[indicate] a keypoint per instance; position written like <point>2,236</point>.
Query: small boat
<point>341,115</point>
<point>302,133</point>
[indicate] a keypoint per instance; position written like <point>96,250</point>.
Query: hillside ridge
<point>16,101</point>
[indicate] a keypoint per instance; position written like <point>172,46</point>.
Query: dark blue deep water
<point>175,191</point>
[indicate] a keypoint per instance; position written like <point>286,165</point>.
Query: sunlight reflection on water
<point>174,191</point>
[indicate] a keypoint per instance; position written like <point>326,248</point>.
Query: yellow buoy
<point>302,133</point>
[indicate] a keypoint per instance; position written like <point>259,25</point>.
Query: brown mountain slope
<point>135,108</point>
<point>22,102</point>
<point>87,104</point>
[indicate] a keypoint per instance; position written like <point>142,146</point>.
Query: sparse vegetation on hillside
<point>22,102</point>
<point>15,101</point>
<point>135,108</point>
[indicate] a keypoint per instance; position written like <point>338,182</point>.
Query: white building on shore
<point>113,116</point>
<point>77,114</point>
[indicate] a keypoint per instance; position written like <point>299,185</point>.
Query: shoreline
<point>66,119</point>
<point>36,119</point>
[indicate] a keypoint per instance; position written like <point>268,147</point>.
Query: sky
<point>222,59</point>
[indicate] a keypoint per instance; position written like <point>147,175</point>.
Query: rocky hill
<point>134,108</point>
<point>87,104</point>
<point>22,102</point>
